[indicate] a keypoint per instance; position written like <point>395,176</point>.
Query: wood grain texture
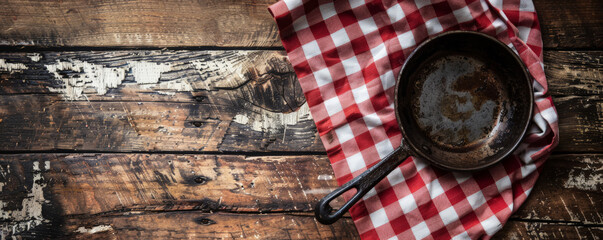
<point>569,189</point>
<point>580,123</point>
<point>574,72</point>
<point>571,24</point>
<point>101,186</point>
<point>204,100</point>
<point>137,23</point>
<point>199,225</point>
<point>515,230</point>
<point>128,23</point>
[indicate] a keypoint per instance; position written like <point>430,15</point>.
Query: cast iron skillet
<point>463,101</point>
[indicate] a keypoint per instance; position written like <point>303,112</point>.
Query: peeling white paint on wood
<point>266,120</point>
<point>325,177</point>
<point>30,214</point>
<point>95,78</point>
<point>581,181</point>
<point>95,229</point>
<point>318,191</point>
<point>148,72</point>
<point>35,57</point>
<point>11,67</point>
<point>232,68</point>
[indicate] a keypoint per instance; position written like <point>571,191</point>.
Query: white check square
<point>395,13</point>
<point>351,66</point>
<point>496,3</point>
<point>503,184</point>
<point>524,32</point>
<point>491,225</point>
<point>526,6</point>
<point>484,5</point>
<point>462,236</point>
<point>344,133</point>
<point>333,106</point>
<point>476,200</point>
<point>395,177</point>
<point>449,215</point>
<point>388,80</point>
<point>372,120</point>
<point>434,188</point>
<point>462,14</point>
<point>379,52</point>
<point>311,49</point>
<point>327,10</point>
<point>499,25</point>
<point>356,162</point>
<point>384,148</point>
<point>379,217</point>
<point>323,77</point>
<point>340,37</point>
<point>367,25</point>
<point>291,4</point>
<point>407,203</point>
<point>420,230</point>
<point>406,39</point>
<point>422,3</point>
<point>433,26</point>
<point>356,3</point>
<point>361,94</point>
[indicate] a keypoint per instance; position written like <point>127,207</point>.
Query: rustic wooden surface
<point>212,138</point>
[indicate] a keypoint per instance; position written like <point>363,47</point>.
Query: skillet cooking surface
<point>463,108</point>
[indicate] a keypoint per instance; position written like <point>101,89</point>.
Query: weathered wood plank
<point>43,123</point>
<point>574,72</point>
<point>198,225</point>
<point>204,100</point>
<point>265,78</point>
<point>100,183</point>
<point>573,24</point>
<point>133,23</point>
<point>570,188</point>
<point>515,230</point>
<point>43,190</point>
<point>277,226</point>
<point>580,123</point>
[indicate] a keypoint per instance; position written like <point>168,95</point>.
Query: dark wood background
<point>168,119</point>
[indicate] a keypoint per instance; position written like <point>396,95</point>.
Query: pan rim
<point>414,150</point>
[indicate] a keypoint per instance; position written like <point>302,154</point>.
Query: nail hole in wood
<point>196,123</point>
<point>199,98</point>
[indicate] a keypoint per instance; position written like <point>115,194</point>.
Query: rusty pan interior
<point>463,100</point>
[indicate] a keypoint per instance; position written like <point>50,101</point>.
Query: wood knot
<point>204,221</point>
<point>201,180</point>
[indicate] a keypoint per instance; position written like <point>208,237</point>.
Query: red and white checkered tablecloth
<point>347,55</point>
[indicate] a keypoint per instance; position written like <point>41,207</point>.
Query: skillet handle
<point>362,183</point>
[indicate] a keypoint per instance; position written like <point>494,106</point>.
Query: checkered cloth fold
<point>347,55</point>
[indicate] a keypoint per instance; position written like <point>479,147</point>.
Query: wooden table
<point>169,119</point>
